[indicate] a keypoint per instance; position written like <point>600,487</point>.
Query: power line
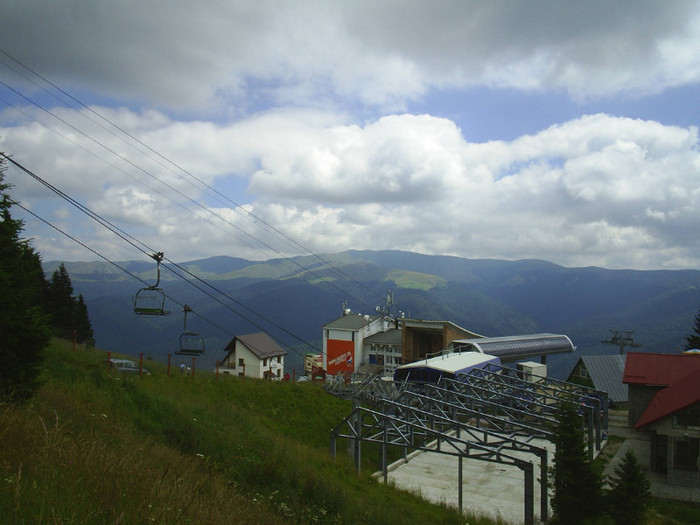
<point>236,207</point>
<point>135,242</point>
<point>296,263</point>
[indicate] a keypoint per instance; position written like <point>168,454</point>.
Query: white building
<point>343,341</point>
<point>383,349</point>
<point>254,355</point>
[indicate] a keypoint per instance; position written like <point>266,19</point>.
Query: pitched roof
<point>606,372</point>
<point>679,373</point>
<point>675,397</point>
<point>658,369</point>
<point>261,344</point>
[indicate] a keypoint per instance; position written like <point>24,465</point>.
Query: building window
<point>265,362</point>
<point>688,417</point>
<point>240,362</point>
<point>686,453</point>
<point>372,359</point>
<point>582,372</point>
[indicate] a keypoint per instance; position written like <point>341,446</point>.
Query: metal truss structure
<point>483,415</point>
<point>543,396</point>
<point>398,424</point>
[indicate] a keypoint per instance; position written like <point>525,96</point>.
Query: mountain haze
<point>293,298</point>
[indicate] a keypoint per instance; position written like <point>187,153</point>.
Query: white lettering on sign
<point>340,359</point>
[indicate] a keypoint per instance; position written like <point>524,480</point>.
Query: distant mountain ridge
<point>293,298</point>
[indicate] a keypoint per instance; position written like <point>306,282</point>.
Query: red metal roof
<point>675,397</point>
<point>679,373</point>
<point>658,369</point>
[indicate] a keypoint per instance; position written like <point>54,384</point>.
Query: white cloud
<point>597,190</point>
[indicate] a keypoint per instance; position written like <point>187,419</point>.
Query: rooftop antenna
<point>384,310</point>
<point>622,339</point>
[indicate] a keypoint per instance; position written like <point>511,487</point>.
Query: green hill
<point>298,296</point>
<point>100,447</point>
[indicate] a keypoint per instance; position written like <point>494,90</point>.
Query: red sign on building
<point>341,356</point>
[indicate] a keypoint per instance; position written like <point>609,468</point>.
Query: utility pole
<point>622,339</point>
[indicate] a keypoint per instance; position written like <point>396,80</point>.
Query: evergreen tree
<point>68,313</point>
<point>629,494</point>
<point>83,327</point>
<point>693,340</point>
<point>60,303</point>
<point>577,485</point>
<point>24,330</point>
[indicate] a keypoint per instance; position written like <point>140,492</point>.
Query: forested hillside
<point>293,298</point>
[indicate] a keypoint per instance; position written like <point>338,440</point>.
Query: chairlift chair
<point>151,300</point>
<point>191,343</point>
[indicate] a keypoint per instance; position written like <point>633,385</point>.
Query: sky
<point>558,130</point>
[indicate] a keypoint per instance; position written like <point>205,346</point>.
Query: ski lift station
<point>467,420</point>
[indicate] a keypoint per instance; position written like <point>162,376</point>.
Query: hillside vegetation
<point>95,446</point>
<point>302,294</point>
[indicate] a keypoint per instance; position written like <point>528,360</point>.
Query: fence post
<point>193,360</point>
<point>169,354</point>
<point>217,369</point>
<point>141,365</point>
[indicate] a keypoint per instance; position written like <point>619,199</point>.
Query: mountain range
<point>293,298</point>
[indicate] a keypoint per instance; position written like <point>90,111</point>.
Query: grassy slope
<point>98,448</point>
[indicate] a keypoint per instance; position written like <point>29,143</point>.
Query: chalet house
<point>254,355</point>
<point>664,401</point>
<point>602,372</point>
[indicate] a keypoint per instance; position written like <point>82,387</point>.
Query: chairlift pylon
<point>191,343</point>
<point>151,300</point>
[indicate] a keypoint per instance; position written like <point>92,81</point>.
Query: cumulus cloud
<point>596,190</point>
<point>210,130</point>
<point>229,57</point>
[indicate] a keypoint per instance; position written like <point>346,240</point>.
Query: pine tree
<point>60,303</point>
<point>629,494</point>
<point>693,340</point>
<point>24,329</point>
<point>83,327</point>
<point>68,313</point>
<point>577,485</point>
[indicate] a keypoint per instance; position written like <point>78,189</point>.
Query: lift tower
<point>622,339</point>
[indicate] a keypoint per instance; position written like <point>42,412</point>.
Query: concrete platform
<point>490,489</point>
<point>497,490</point>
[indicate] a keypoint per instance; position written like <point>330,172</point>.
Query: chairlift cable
<point>80,206</point>
<point>247,319</point>
<point>237,207</point>
<point>116,265</point>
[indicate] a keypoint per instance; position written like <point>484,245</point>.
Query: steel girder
<point>399,424</point>
<point>542,396</point>
<point>460,407</point>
